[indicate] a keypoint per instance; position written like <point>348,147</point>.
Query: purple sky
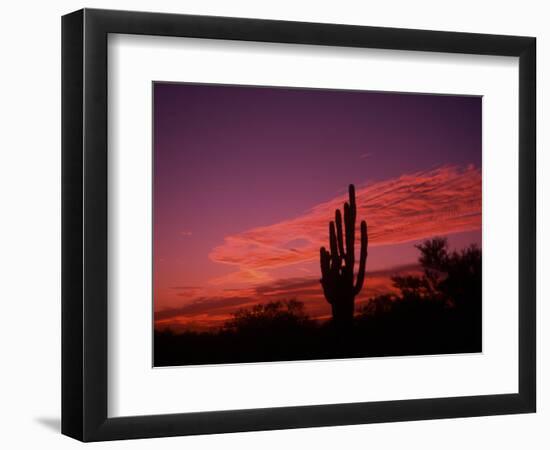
<point>229,159</point>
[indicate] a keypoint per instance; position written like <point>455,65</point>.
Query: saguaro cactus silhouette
<point>337,265</point>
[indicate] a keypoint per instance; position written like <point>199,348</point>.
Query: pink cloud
<point>407,208</point>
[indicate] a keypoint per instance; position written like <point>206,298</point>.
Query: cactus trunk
<point>337,266</point>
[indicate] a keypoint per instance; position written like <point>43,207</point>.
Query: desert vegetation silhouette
<point>435,311</point>
<point>337,265</point>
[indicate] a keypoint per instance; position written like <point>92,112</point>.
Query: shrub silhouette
<point>273,331</point>
<point>337,265</point>
<point>281,316</point>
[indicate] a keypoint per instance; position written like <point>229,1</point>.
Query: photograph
<point>293,224</point>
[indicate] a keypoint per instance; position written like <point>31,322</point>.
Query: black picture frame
<point>84,224</point>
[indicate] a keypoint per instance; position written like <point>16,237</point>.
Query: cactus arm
<point>349,225</point>
<point>334,248</point>
<point>325,264</point>
<point>325,271</point>
<point>350,231</point>
<point>363,258</point>
<point>340,234</point>
<point>349,239</point>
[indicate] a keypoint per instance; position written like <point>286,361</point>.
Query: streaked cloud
<point>210,312</point>
<point>407,208</point>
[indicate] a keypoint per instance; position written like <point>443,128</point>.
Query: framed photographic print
<point>273,224</point>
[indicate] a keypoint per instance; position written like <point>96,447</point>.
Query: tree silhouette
<point>450,281</point>
<point>337,265</point>
<point>450,277</point>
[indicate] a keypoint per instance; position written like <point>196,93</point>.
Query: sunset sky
<point>246,180</point>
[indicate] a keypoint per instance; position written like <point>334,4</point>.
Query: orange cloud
<point>202,313</point>
<point>411,207</point>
